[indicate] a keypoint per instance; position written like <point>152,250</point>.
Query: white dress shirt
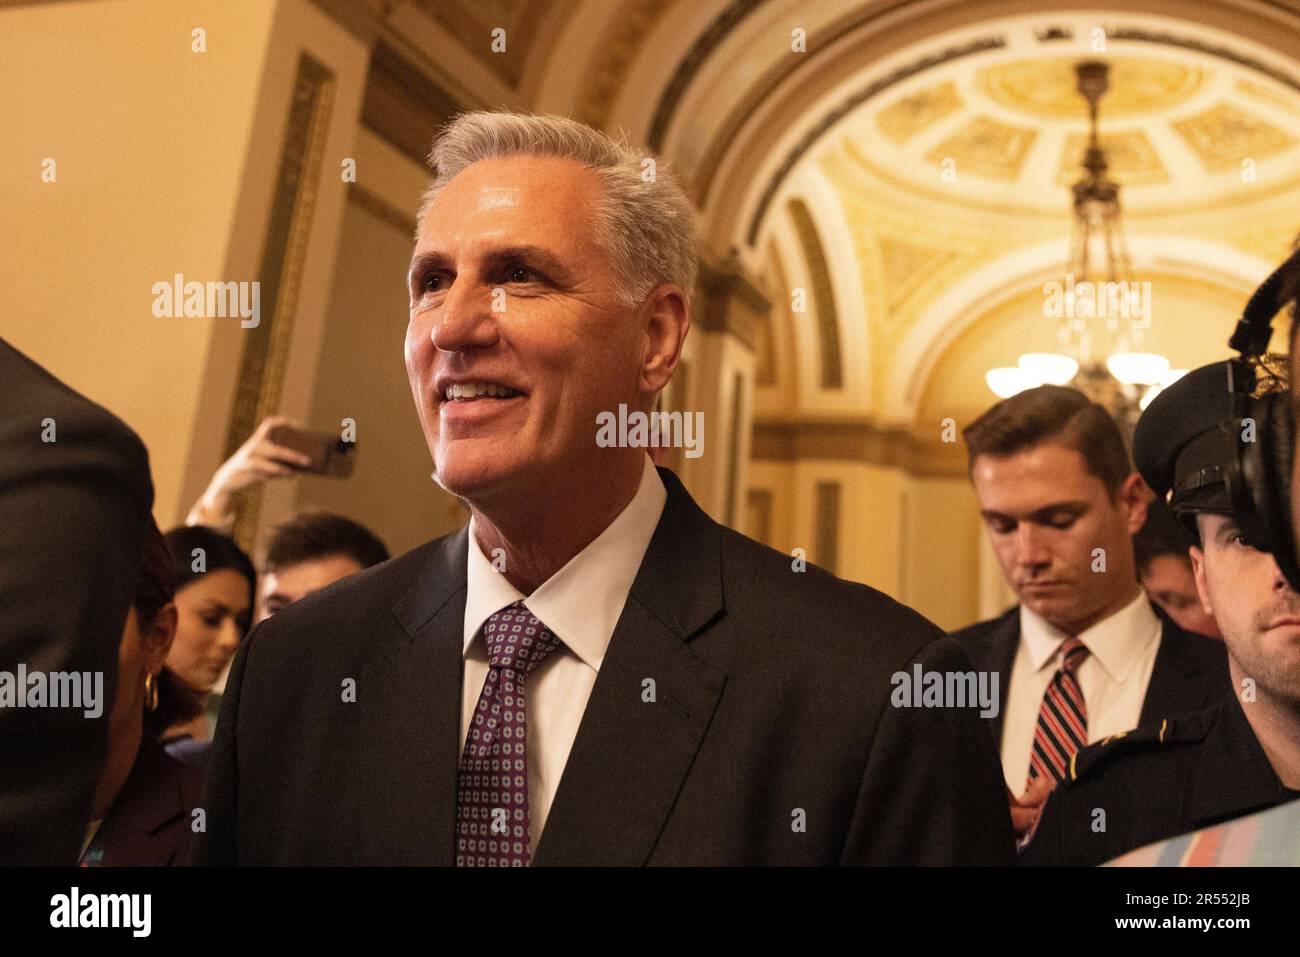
<point>580,604</point>
<point>1114,678</point>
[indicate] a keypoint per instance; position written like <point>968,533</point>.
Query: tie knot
<point>516,640</point>
<point>1072,654</point>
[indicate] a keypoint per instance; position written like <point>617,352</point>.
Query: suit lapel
<point>1005,644</point>
<point>410,700</point>
<point>1174,675</point>
<point>631,754</point>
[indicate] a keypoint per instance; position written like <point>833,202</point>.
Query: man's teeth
<point>472,390</point>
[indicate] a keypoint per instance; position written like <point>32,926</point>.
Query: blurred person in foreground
<point>1164,565</point>
<point>593,671</point>
<point>75,498</point>
<point>142,811</point>
<point>1178,773</point>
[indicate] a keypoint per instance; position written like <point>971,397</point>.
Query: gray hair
<point>645,221</point>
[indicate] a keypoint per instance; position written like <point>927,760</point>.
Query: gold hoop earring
<point>150,692</point>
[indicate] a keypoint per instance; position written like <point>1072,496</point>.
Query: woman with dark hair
<point>215,585</point>
<point>141,812</point>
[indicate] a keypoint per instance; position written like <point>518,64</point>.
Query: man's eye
<point>1063,522</point>
<point>432,283</point>
<point>211,621</point>
<point>1237,538</point>
<point>521,274</point>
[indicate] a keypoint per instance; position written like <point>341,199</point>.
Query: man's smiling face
<point>517,337</point>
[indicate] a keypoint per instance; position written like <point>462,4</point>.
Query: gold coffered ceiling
<point>1039,87</point>
<point>1007,136</point>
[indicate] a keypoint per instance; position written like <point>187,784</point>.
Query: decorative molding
<point>471,23</point>
<point>690,64</point>
<point>619,47</point>
<point>759,517</point>
<point>986,147</point>
<point>403,105</point>
<point>856,440</point>
<point>727,300</point>
<point>378,206</point>
<point>1224,135</point>
<point>847,106</point>
<point>735,428</point>
<point>266,348</point>
<point>828,321</point>
<point>826,544</point>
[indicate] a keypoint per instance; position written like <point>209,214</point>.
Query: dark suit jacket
<point>72,516</point>
<point>1190,670</point>
<point>1164,779</point>
<point>151,821</point>
<point>772,711</point>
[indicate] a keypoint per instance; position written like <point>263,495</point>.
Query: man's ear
<point>156,638</point>
<point>666,318</point>
<point>1135,495</point>
<point>1198,572</point>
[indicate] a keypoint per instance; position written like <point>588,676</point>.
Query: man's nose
<point>467,320</point>
<point>1280,584</point>
<point>1031,550</point>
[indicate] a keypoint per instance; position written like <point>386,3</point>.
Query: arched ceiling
<point>884,97</point>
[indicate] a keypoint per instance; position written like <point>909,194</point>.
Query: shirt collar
<point>581,603</point>
<point>1117,642</point>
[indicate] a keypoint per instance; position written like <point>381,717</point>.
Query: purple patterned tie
<point>492,788</point>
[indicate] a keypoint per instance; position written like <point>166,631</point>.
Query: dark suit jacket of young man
<point>770,738</point>
<point>1190,671</point>
<point>72,516</point>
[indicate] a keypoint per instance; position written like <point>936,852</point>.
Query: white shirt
<point>1113,678</point>
<point>580,604</point>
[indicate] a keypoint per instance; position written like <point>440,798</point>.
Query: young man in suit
<point>1084,654</point>
<point>75,496</point>
<point>592,671</point>
<point>1177,774</point>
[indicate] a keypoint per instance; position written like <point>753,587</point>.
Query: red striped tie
<point>1062,720</point>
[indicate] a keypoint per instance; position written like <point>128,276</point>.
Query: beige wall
<point>362,377</point>
<point>918,539</point>
<point>149,139</point>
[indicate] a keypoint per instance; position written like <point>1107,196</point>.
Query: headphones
<point>1260,484</point>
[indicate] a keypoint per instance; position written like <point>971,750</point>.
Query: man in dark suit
<point>592,671</point>
<point>1084,655</point>
<point>75,497</point>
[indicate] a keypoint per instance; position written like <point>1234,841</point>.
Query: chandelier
<point>1099,309</point>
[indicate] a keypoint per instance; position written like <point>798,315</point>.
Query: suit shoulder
<point>775,585</point>
<point>88,439</point>
<point>1190,646</point>
<point>982,631</point>
<point>355,599</point>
